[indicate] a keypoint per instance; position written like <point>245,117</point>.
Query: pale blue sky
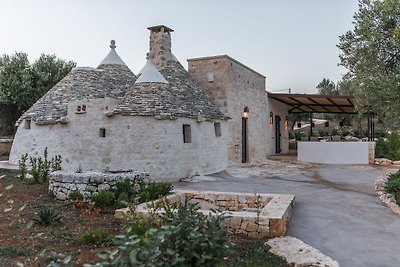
<point>291,42</point>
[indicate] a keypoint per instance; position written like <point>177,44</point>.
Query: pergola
<point>313,103</point>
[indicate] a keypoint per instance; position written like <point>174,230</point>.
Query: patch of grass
<point>96,236</point>
<point>12,251</point>
<point>247,252</point>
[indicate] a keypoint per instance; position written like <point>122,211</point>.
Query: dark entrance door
<point>245,157</point>
<point>278,134</point>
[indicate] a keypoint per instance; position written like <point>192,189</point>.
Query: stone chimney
<point>160,45</point>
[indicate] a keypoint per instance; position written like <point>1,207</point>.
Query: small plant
<point>23,170</point>
<point>47,216</point>
<point>56,163</point>
<point>96,236</point>
<point>76,195</point>
<point>104,198</point>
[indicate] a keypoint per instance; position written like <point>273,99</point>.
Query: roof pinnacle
<point>113,46</point>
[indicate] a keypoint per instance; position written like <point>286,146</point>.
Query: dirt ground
<point>19,244</point>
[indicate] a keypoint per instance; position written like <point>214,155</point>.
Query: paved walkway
<point>336,210</point>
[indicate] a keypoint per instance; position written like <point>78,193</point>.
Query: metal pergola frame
<point>313,103</point>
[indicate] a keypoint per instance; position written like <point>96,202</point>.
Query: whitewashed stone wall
<point>131,142</point>
<point>63,183</point>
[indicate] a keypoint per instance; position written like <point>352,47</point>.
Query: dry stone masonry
<point>385,197</point>
<point>63,183</point>
<point>252,215</point>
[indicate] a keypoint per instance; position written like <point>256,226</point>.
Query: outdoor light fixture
<point>271,118</point>
<point>245,113</point>
<point>286,122</point>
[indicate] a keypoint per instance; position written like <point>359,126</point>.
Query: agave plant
<point>47,216</point>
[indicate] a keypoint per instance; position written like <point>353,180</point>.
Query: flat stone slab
<point>298,253</point>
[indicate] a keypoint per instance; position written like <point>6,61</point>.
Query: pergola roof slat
<point>312,103</point>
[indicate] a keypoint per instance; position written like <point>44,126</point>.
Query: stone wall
<point>142,143</point>
<point>234,86</point>
<point>252,215</point>
<point>5,146</point>
<point>62,183</point>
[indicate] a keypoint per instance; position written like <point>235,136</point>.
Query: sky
<point>291,42</point>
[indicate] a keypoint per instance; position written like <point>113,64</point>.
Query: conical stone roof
<point>110,79</point>
<point>181,96</point>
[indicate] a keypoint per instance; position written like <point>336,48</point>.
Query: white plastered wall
<point>131,142</point>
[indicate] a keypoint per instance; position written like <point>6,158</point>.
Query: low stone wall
<point>385,197</point>
<point>62,183</point>
<point>252,215</point>
<point>5,146</point>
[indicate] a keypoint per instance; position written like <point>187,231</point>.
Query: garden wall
<point>252,215</point>
<point>62,183</point>
<point>5,146</point>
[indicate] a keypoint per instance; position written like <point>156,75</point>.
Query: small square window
<point>27,124</point>
<point>102,132</point>
<point>187,134</point>
<point>217,129</point>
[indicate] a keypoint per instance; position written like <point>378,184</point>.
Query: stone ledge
<point>385,197</point>
<point>297,253</point>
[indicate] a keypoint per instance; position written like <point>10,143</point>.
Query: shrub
<point>124,192</point>
<point>393,186</point>
<point>185,238</point>
<point>154,190</point>
<point>96,236</point>
<point>47,216</point>
<point>389,147</point>
<point>104,198</point>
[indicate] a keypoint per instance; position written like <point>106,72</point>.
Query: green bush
<point>388,148</point>
<point>186,237</point>
<point>96,236</point>
<point>47,216</point>
<point>124,192</point>
<point>154,190</point>
<point>104,198</point>
<point>76,195</point>
<point>393,186</point>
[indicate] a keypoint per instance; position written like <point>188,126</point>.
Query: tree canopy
<point>371,53</point>
<point>22,83</point>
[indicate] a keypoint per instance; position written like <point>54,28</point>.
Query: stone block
<point>235,222</point>
<point>251,227</point>
<point>250,199</point>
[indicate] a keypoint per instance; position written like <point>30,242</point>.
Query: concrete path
<point>336,210</point>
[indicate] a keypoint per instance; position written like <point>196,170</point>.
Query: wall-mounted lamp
<point>286,122</point>
<point>271,118</point>
<point>245,114</point>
